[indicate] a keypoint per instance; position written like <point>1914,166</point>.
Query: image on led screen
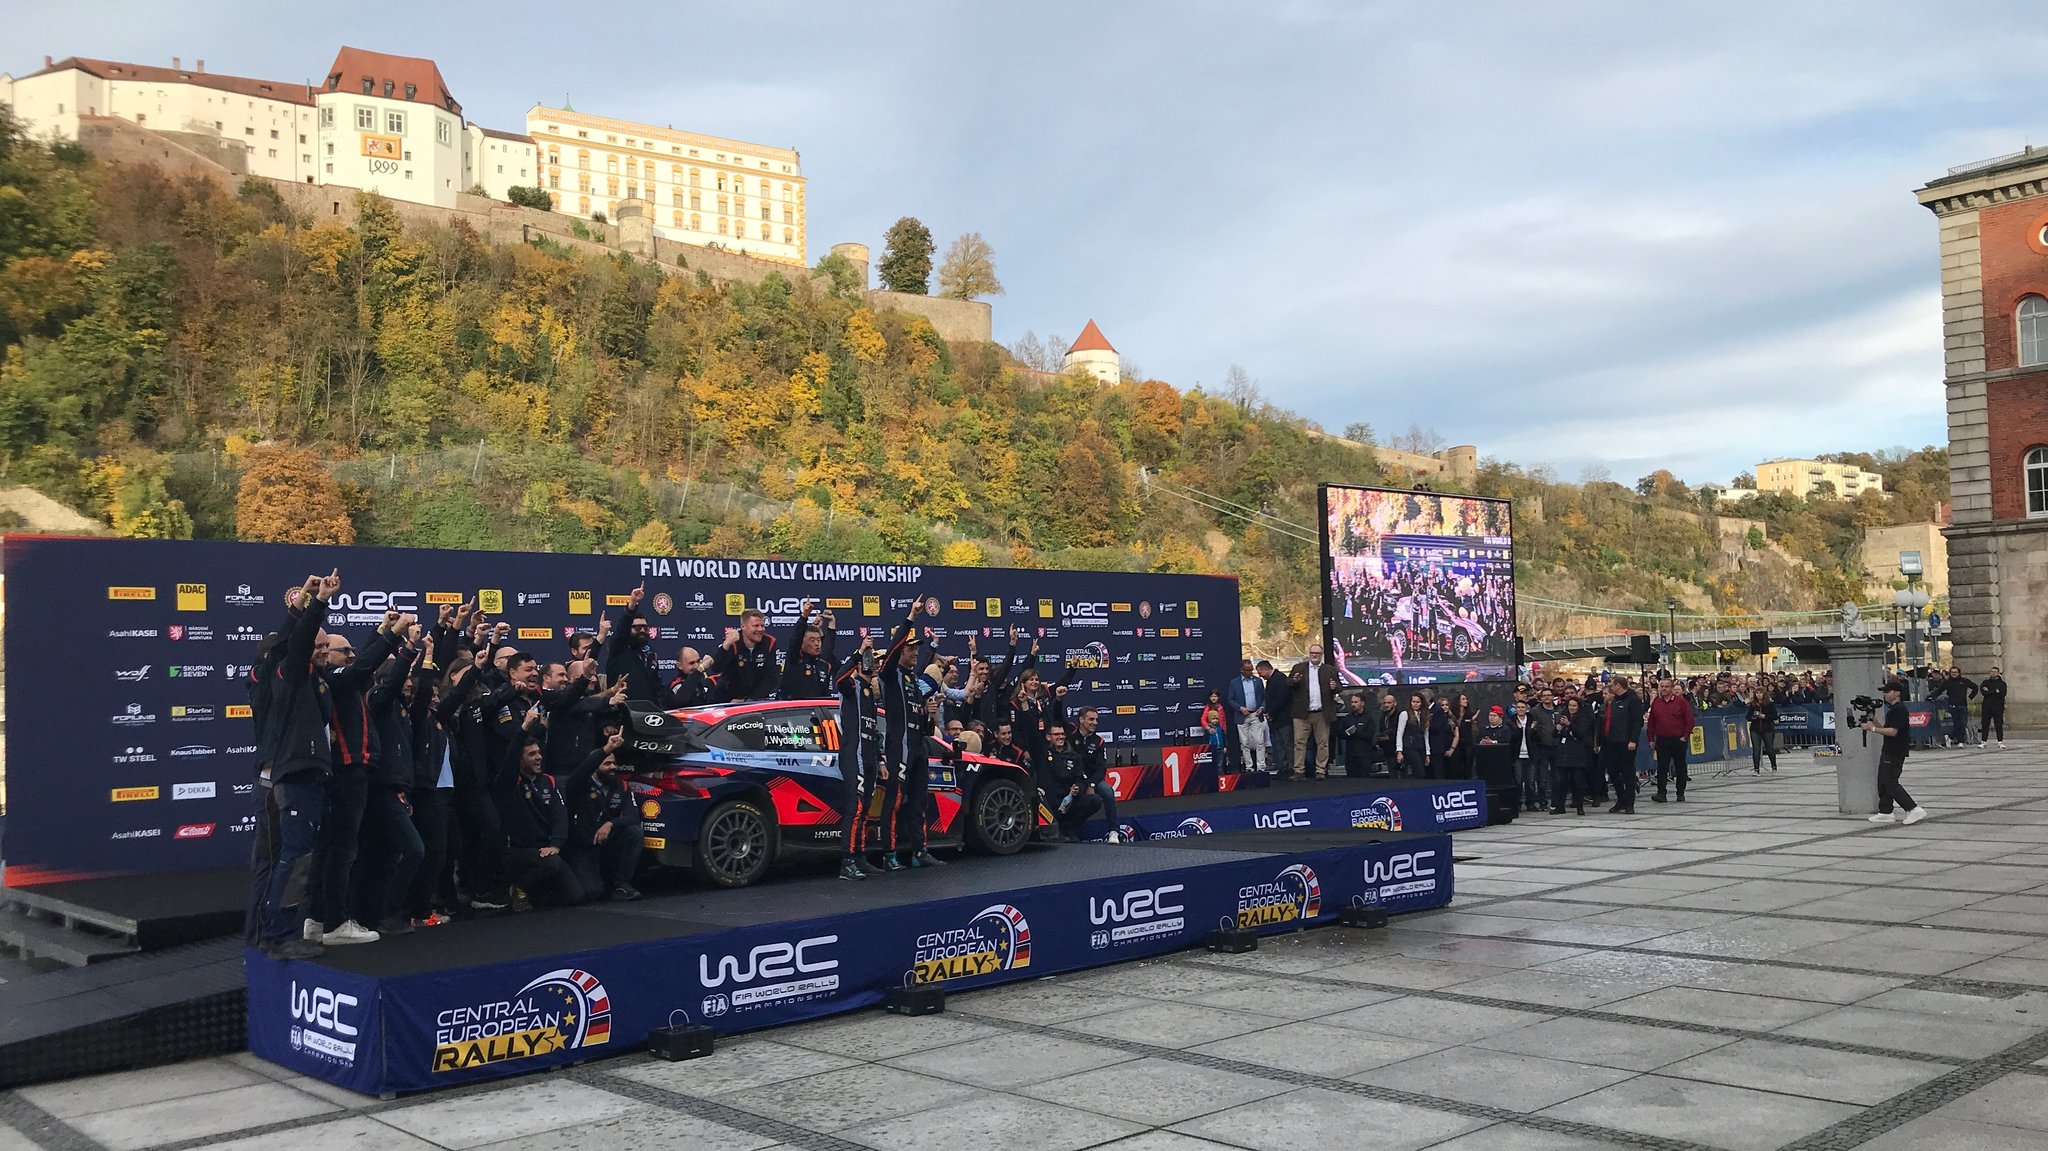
<point>1420,588</point>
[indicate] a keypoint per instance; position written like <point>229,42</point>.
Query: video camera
<point>1863,710</point>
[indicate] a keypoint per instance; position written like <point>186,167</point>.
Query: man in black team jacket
<point>604,825</point>
<point>297,733</point>
<point>632,656</point>
<point>807,671</point>
<point>349,676</point>
<point>743,667</point>
<point>860,750</point>
<point>1617,727</point>
<point>391,846</point>
<point>1064,786</point>
<point>1094,761</point>
<point>536,821</point>
<point>907,721</point>
<point>1992,693</point>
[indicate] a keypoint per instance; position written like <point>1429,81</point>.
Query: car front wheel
<point>1003,817</point>
<point>735,845</point>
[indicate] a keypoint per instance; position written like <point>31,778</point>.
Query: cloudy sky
<point>1617,234</point>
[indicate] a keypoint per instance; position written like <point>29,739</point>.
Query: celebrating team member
<point>297,749</point>
<point>908,723</point>
<point>392,849</point>
<point>632,657</point>
<point>536,822</point>
<point>1063,781</point>
<point>743,667</point>
<point>860,749</point>
<point>807,671</point>
<point>689,688</point>
<point>1094,763</point>
<point>355,746</point>
<point>604,825</point>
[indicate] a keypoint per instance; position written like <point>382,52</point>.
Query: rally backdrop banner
<point>418,1032</point>
<point>1449,805</point>
<point>130,748</point>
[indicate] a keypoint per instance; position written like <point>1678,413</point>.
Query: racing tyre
<point>1461,645</point>
<point>1002,817</point>
<point>735,844</point>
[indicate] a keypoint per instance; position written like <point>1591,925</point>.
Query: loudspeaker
<point>1759,643</point>
<point>1232,940</point>
<point>1639,650</point>
<point>914,1000</point>
<point>684,1041</point>
<point>1521,655</point>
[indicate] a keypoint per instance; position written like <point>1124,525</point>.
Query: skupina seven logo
<point>996,939</point>
<point>564,1010</point>
<point>1295,895</point>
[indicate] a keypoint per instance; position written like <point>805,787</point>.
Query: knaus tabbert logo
<point>1147,913</point>
<point>797,972</point>
<point>321,1024</point>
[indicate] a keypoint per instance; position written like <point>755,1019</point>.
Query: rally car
<point>725,790</point>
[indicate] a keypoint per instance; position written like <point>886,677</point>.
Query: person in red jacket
<point>1671,722</point>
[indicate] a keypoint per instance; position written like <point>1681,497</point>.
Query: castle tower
<point>1093,354</point>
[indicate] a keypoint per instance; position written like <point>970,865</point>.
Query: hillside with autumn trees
<point>185,359</point>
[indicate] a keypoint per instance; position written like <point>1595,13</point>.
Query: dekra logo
<point>768,961</point>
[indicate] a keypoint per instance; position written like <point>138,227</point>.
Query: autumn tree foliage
<point>286,497</point>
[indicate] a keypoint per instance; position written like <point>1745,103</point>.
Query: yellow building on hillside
<point>703,190</point>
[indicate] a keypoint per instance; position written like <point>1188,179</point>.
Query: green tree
<point>906,257</point>
<point>534,197</point>
<point>969,270</point>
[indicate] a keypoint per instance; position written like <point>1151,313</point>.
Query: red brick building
<point>1993,217</point>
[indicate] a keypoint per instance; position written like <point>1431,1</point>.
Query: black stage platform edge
<point>155,911</point>
<point>178,1003</point>
<point>1279,789</point>
<point>1294,839</point>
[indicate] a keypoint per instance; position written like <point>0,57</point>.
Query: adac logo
<point>1294,896</point>
<point>564,1010</point>
<point>996,939</point>
<point>1382,814</point>
<point>579,603</point>
<point>191,597</point>
<point>131,593</point>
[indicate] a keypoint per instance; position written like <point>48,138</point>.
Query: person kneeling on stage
<point>1063,783</point>
<point>604,826</point>
<point>1088,750</point>
<point>536,824</point>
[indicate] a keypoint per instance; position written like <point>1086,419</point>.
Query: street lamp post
<point>1671,634</point>
<point>1911,601</point>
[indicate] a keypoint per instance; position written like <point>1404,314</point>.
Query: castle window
<point>2033,325</point>
<point>789,235</point>
<point>2037,482</point>
<point>696,222</point>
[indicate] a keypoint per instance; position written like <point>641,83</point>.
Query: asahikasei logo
<point>1294,896</point>
<point>564,1010</point>
<point>998,938</point>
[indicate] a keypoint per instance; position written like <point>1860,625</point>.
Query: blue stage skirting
<point>439,1028</point>
<point>1447,805</point>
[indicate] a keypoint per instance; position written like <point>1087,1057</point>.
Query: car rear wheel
<point>735,845</point>
<point>1002,818</point>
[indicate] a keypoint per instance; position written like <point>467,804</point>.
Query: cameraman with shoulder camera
<point>1896,728</point>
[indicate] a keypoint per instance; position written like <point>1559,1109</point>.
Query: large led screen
<point>1417,587</point>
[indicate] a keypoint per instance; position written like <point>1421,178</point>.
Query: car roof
<point>720,712</point>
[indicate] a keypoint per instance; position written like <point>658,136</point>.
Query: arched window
<point>632,190</point>
<point>764,231</point>
<point>2033,324</point>
<point>721,226</point>
<point>789,235</point>
<point>696,177</point>
<point>2037,482</point>
<point>696,222</point>
<point>583,205</point>
<point>679,219</point>
<point>583,158</point>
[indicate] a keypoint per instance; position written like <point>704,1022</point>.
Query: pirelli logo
<point>438,598</point>
<point>137,593</point>
<point>963,605</point>
<point>653,842</point>
<point>536,633</point>
<point>238,711</point>
<point>617,600</point>
<point>133,794</point>
<point>844,604</point>
<point>1127,709</point>
<point>1169,633</point>
<point>1119,607</point>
